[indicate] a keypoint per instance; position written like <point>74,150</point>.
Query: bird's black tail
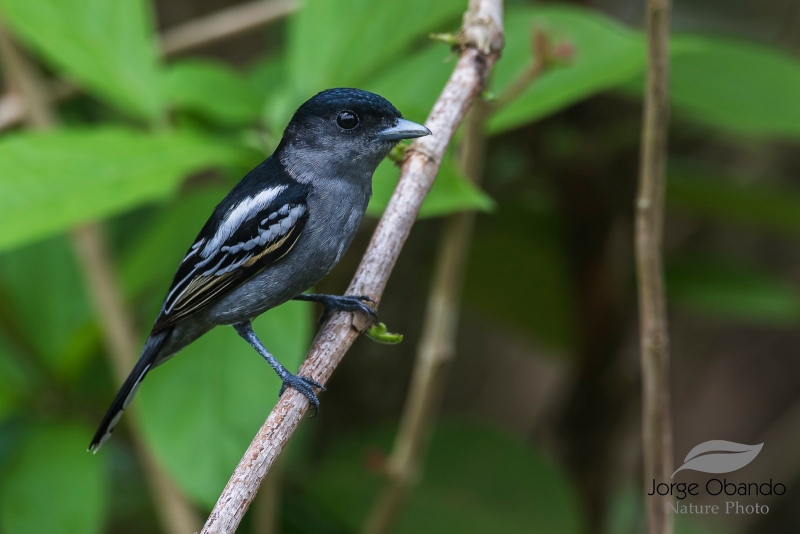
<point>149,353</point>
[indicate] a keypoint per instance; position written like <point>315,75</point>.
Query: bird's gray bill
<point>403,129</point>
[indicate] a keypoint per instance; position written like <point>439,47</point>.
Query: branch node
<point>450,39</point>
<point>424,151</point>
<point>483,28</point>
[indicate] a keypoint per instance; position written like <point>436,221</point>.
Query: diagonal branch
<point>656,418</point>
<point>482,40</point>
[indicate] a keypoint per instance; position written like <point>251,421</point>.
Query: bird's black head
<point>344,131</point>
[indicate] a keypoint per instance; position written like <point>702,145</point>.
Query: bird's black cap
<point>365,103</point>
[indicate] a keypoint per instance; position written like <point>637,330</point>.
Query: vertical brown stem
<point>175,511</point>
<point>437,346</point>
<point>120,337</point>
<point>266,505</point>
<point>656,418</point>
<point>23,79</point>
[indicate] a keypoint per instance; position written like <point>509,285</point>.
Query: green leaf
<point>109,47</point>
<point>212,398</point>
<point>380,334</point>
<point>725,288</point>
<point>607,54</point>
<point>53,485</point>
<point>451,192</point>
<point>733,199</point>
<point>511,488</point>
<point>737,85</point>
<point>56,180</point>
<point>45,291</point>
<point>215,91</point>
<point>322,55</point>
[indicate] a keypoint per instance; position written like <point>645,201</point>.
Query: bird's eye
<point>347,120</point>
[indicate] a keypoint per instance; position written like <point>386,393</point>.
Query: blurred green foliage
<point>46,272</point>
<point>229,410</point>
<point>32,499</point>
<point>48,177</point>
<point>476,480</point>
<point>608,54</point>
<point>213,90</point>
<point>109,47</point>
<point>742,87</point>
<point>730,289</point>
<point>168,121</point>
<point>733,199</point>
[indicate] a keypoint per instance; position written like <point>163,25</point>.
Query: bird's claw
<point>351,303</point>
<point>305,386</point>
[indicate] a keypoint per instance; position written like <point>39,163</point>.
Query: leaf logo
<point>723,456</point>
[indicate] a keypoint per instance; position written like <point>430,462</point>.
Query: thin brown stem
<point>520,84</point>
<point>224,24</point>
<point>440,324</point>
<point>437,346</point>
<point>267,504</point>
<point>212,28</point>
<point>656,418</point>
<point>175,511</point>
<point>26,84</point>
<point>122,344</point>
<point>545,56</point>
<point>482,33</point>
<point>120,338</point>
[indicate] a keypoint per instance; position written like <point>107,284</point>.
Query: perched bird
<point>277,233</point>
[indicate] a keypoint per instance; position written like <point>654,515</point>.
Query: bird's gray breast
<point>335,211</point>
<point>335,214</point>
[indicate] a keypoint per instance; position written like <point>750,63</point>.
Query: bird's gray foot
<point>300,383</point>
<point>350,303</point>
<point>305,386</point>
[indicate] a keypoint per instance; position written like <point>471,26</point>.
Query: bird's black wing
<point>251,229</point>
